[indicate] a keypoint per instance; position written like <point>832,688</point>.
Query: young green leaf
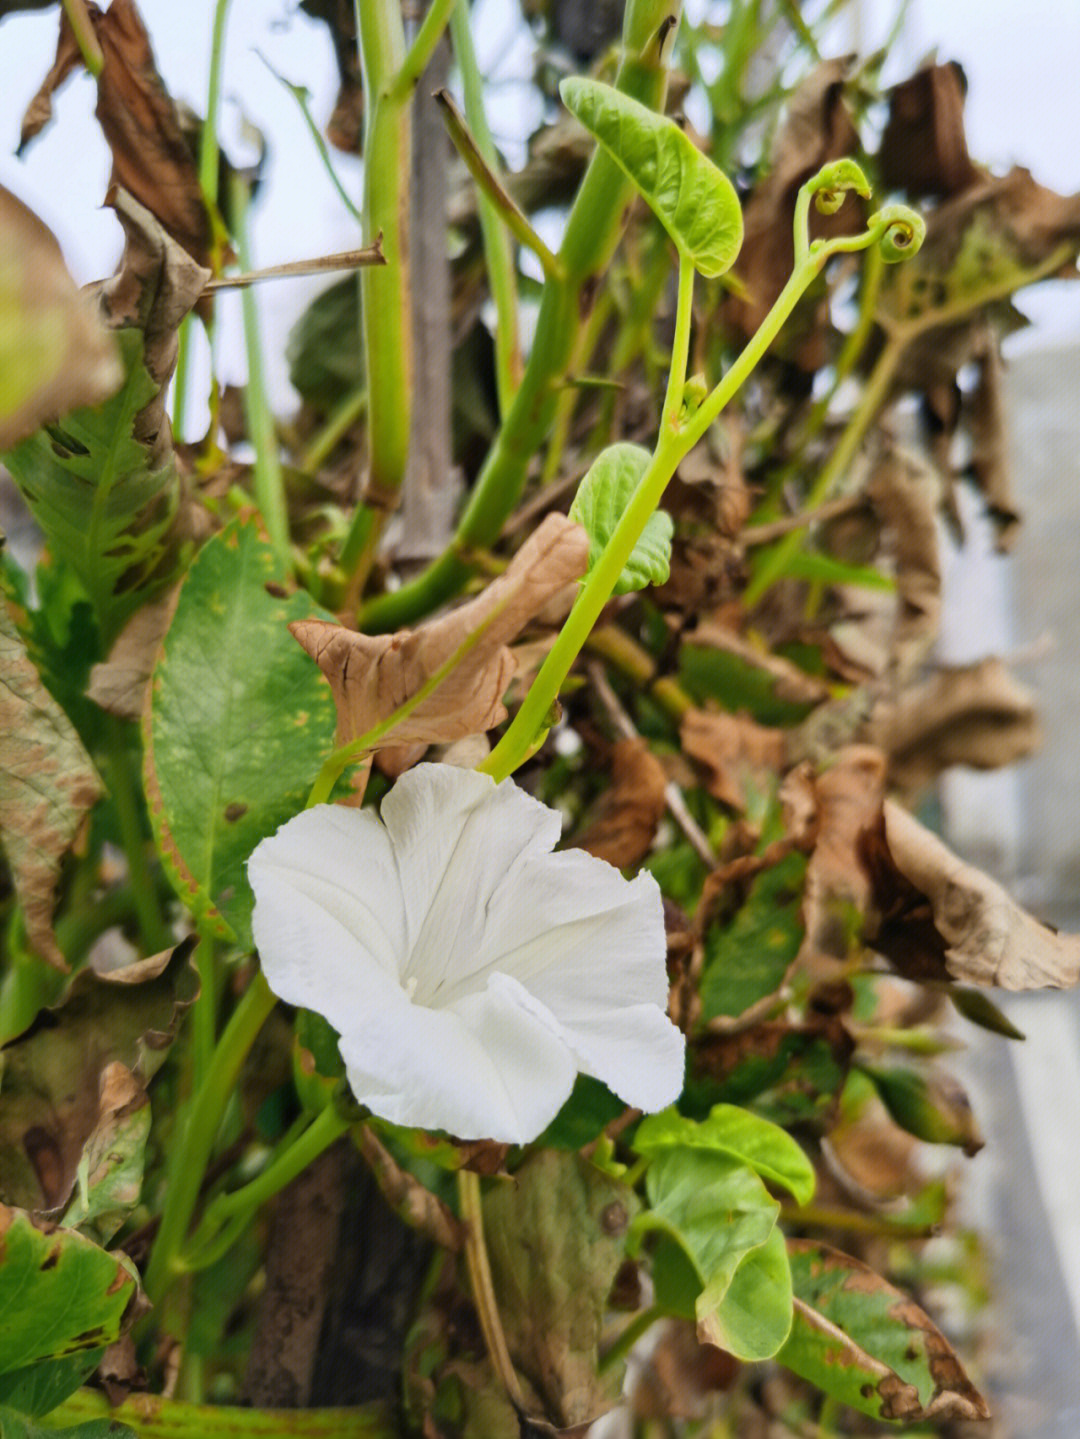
<point>694,201</point>
<point>40,1387</point>
<point>17,1426</point>
<point>598,506</point>
<point>868,1345</point>
<point>765,1147</point>
<point>240,720</point>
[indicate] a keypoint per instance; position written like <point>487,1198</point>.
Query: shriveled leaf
<point>151,158</point>
<point>47,786</point>
<point>977,715</point>
<point>837,895</point>
<point>110,1173</point>
<point>791,1072</point>
<point>924,150</point>
<point>237,726</point>
<point>694,201</point>
<point>868,1345</point>
<point>104,500</point>
<point>556,1240</point>
<point>933,1106</point>
<point>944,918</point>
<point>737,753</point>
<point>718,1213</point>
<point>119,683</point>
<point>989,427</point>
<point>64,1101</point>
<point>747,958</point>
<point>754,1318</point>
<point>906,495</point>
<point>55,354</point>
<point>372,676</point>
<point>59,1293</point>
<point>769,1150</point>
<point>603,496</point>
<point>623,827</point>
<point>416,1205</point>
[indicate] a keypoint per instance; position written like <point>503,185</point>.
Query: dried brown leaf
<point>119,683</point>
<point>924,150</point>
<point>977,715</point>
<point>942,918</point>
<point>47,787</point>
<point>624,824</point>
<point>151,158</point>
<point>55,354</point>
<point>989,427</point>
<point>737,753</point>
<point>374,675</point>
<point>905,492</point>
<point>837,894</point>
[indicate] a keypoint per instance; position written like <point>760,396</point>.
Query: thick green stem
<point>153,1417</point>
<point>188,1160</point>
<point>85,36</point>
<point>592,232</point>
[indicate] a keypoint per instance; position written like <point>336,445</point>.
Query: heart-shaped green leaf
<point>769,1150</point>
<point>694,201</point>
<point>598,506</point>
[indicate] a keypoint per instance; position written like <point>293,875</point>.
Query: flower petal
<point>493,1067</point>
<point>458,837</point>
<point>329,918</point>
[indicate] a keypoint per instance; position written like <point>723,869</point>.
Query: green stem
<point>209,155</point>
<point>233,1210</point>
<point>126,797</point>
<point>593,229</point>
<point>180,378</point>
<point>198,1131</point>
<point>422,48</point>
<point>341,421</point>
<point>680,351</point>
<point>153,1417</point>
<point>639,1325</point>
<point>85,36</point>
<point>269,479</point>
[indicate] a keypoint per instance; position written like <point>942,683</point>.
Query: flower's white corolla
<point>470,971</point>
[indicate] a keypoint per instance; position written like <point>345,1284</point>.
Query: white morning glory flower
<point>470,972</point>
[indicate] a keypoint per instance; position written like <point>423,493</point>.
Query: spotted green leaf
<point>694,201</point>
<point>602,497</point>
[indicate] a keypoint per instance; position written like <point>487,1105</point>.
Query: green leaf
<point>59,1293</point>
<point>39,1388</point>
<point>934,1107</point>
<point>711,673</point>
<point>603,496</point>
<point>769,1150</point>
<point>17,1426</point>
<point>719,1212</point>
<point>746,959</point>
<point>979,1009</point>
<point>868,1345</point>
<point>582,1118</point>
<point>240,722</point>
<point>694,201</point>
<point>104,500</point>
<point>753,1318</point>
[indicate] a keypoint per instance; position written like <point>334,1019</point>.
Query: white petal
<point>636,1051</point>
<point>494,1067</point>
<point>458,837</point>
<point>329,919</point>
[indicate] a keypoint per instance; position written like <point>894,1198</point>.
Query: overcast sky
<point>1022,58</point>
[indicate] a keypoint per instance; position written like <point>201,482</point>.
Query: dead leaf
<point>838,891</point>
<point>924,150</point>
<point>817,128</point>
<point>624,824</point>
<point>47,787</point>
<point>977,715</point>
<point>905,492</point>
<point>119,683</point>
<point>416,1205</point>
<point>737,753</point>
<point>56,1087</point>
<point>989,428</point>
<point>942,918</point>
<point>374,675</point>
<point>55,354</point>
<point>150,156</point>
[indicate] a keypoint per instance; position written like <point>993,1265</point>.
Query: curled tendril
<point>833,181</point>
<point>899,230</point>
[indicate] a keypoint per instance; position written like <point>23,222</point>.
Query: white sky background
<point>1021,59</point>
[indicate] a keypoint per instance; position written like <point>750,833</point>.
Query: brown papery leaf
<point>119,683</point>
<point>977,715</point>
<point>624,825</point>
<point>736,751</point>
<point>55,354</point>
<point>989,426</point>
<point>924,150</point>
<point>151,158</point>
<point>905,492</point>
<point>837,893</point>
<point>374,675</point>
<point>47,787</point>
<point>967,927</point>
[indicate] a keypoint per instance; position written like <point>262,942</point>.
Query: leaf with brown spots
<point>868,1345</point>
<point>150,155</point>
<point>63,1090</point>
<point>47,787</point>
<point>942,918</point>
<point>623,826</point>
<point>55,354</point>
<point>373,676</point>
